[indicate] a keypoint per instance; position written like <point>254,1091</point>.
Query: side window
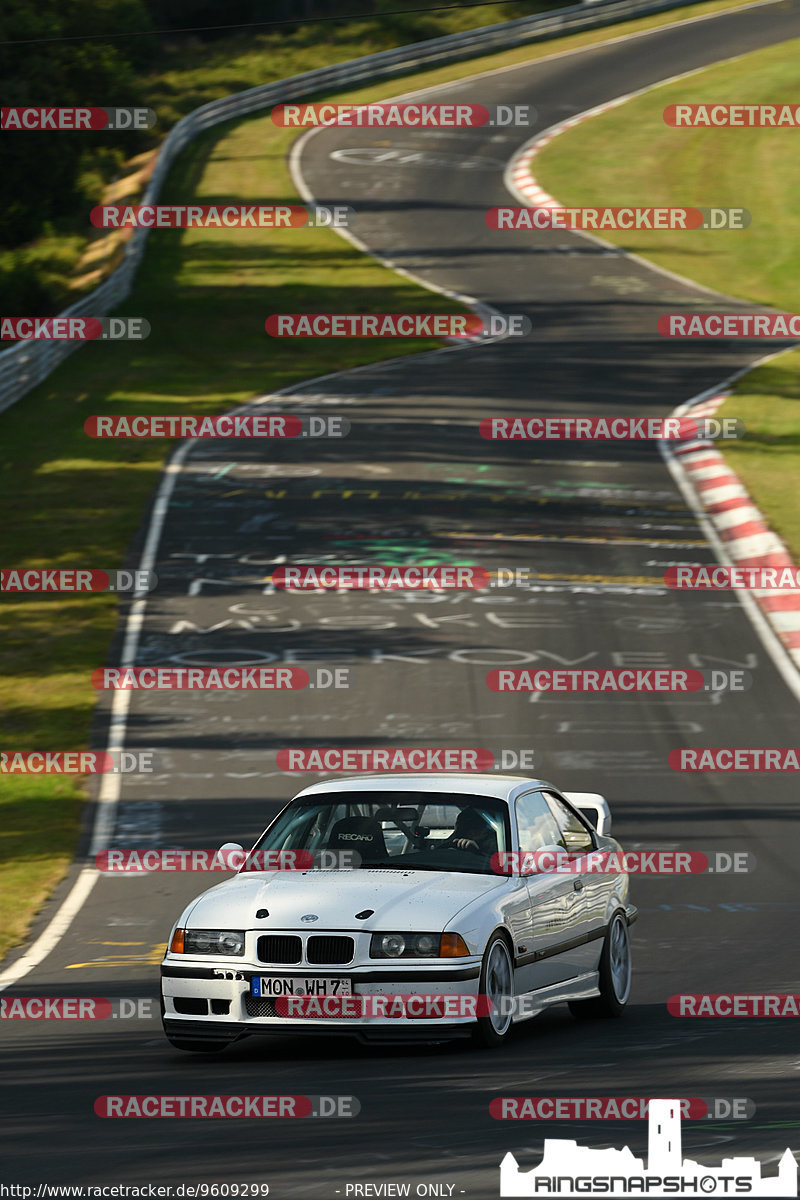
<point>576,836</point>
<point>537,826</point>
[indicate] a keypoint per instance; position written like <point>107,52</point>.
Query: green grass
<point>73,501</point>
<point>767,460</point>
<point>190,73</point>
<point>629,155</point>
<point>40,278</point>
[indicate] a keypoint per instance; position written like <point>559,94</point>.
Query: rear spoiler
<point>594,807</point>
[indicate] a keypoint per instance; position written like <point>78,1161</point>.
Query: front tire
<point>496,982</point>
<point>615,975</point>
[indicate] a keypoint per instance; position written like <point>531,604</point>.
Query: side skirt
<point>530,1004</point>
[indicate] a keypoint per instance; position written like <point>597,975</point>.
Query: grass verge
<point>73,501</point>
<point>50,273</point>
<point>629,156</point>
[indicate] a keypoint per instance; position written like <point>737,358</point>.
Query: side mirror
<point>595,808</point>
<point>232,855</point>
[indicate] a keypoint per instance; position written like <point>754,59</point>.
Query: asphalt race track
<point>599,523</point>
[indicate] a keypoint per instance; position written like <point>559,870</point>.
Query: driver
<point>473,832</point>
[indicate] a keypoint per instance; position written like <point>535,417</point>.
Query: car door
<point>588,891</point>
<point>540,953</point>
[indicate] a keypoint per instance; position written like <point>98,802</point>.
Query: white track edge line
<point>108,797</point>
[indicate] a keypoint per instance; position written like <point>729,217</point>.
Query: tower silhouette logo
<point>568,1169</point>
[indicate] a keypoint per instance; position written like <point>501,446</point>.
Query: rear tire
<point>497,982</point>
<point>615,975</point>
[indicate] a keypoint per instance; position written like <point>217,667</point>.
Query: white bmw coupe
<point>420,906</point>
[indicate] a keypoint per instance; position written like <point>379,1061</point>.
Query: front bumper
<point>205,1003</point>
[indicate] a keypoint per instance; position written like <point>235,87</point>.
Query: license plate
<point>268,986</point>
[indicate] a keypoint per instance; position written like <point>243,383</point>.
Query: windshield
<point>434,831</point>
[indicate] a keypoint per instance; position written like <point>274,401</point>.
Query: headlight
<point>389,945</point>
<point>417,945</point>
<point>213,941</point>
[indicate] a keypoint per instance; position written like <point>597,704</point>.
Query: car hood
<point>416,900</point>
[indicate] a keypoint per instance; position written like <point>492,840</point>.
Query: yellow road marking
<point>151,957</point>
<point>544,537</point>
<point>566,577</point>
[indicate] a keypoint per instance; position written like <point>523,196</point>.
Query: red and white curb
<point>743,536</point>
<point>518,176</point>
<point>742,529</point>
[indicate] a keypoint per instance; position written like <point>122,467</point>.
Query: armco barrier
<point>26,364</point>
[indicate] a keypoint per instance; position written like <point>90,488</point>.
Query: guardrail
<point>27,363</point>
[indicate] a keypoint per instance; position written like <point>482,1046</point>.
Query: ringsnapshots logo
<point>568,1169</point>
